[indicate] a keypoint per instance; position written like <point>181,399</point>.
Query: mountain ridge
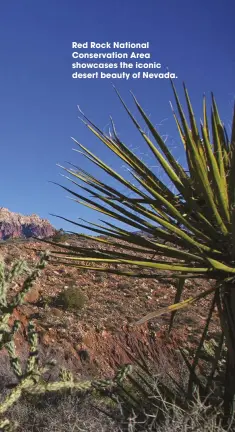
<point>16,225</point>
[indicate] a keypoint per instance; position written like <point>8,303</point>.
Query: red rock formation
<point>15,225</point>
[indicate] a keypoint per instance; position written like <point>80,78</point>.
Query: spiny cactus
<point>7,307</point>
<point>30,380</point>
<point>6,425</point>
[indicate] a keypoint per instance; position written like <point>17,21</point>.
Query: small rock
<point>57,312</point>
<point>33,295</point>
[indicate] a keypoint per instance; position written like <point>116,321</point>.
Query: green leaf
<point>175,307</point>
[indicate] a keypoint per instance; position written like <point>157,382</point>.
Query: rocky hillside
<point>15,225</point>
<point>109,303</point>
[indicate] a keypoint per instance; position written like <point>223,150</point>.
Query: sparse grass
<point>67,413</point>
<point>72,413</point>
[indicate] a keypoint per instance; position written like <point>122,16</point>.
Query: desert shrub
<point>71,298</point>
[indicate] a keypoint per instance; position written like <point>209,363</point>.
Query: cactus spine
<point>30,380</point>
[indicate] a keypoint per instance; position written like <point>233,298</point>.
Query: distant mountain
<point>15,225</point>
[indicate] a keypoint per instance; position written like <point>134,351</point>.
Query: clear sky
<point>39,98</point>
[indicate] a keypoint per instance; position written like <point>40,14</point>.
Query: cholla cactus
<point>7,308</point>
<point>30,380</point>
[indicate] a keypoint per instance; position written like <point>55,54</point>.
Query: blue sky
<point>39,98</point>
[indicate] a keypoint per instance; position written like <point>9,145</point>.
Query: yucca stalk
<point>193,227</point>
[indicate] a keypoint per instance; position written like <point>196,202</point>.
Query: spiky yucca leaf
<point>196,219</point>
<point>190,232</point>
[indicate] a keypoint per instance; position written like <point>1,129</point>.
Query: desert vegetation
<point>30,379</point>
<point>187,234</point>
<point>38,393</point>
<point>192,213</point>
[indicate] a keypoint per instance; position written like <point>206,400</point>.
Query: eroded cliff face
<point>15,225</point>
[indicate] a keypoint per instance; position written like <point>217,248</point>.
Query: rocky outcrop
<point>15,225</point>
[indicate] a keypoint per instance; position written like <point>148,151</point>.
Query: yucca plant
<point>189,219</point>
